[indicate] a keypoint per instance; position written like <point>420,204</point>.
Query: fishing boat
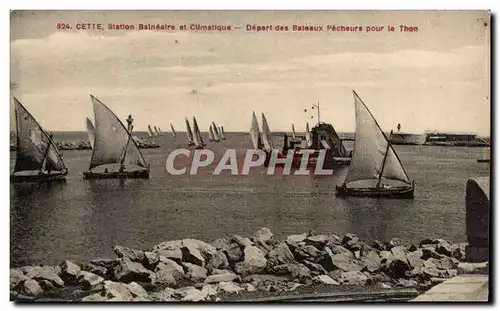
<point>266,135</point>
<point>115,153</point>
<point>150,131</point>
<point>222,134</point>
<point>255,133</point>
<point>309,141</point>
<point>173,130</point>
<point>198,141</point>
<point>157,133</point>
<point>90,132</point>
<point>211,134</point>
<point>375,170</point>
<point>217,134</point>
<point>189,134</point>
<point>37,157</point>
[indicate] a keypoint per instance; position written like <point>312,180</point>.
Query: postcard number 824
<point>63,26</point>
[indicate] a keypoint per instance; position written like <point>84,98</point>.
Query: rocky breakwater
<point>193,270</point>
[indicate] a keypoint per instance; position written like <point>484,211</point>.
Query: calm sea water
<point>82,219</point>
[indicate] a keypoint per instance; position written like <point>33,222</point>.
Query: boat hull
<point>483,160</point>
<point>396,193</point>
<point>117,175</point>
<point>37,178</point>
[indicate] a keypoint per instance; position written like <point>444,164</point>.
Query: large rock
<point>69,271</point>
<point>96,297</point>
<point>150,260</point>
<point>217,260</point>
<point>263,235</point>
<point>315,268</point>
<point>130,271</point>
<point>195,273</point>
<point>168,272</point>
<point>221,244</point>
<point>379,245</point>
<point>428,252</point>
<point>229,287</point>
<point>95,269</point>
<point>398,268</point>
<point>330,262</point>
<point>353,278</point>
<point>115,291</point>
<point>164,295</point>
<point>318,241</point>
<point>324,279</point>
<point>296,238</point>
<point>281,254</point>
<point>224,277</point>
<point>190,293</point>
<point>339,249</point>
<point>31,288</point>
<point>306,252</point>
<point>371,261</point>
<point>444,248</point>
<point>16,277</point>
<point>39,273</point>
<point>297,271</point>
<point>89,280</point>
<point>399,252</point>
<point>241,241</point>
<point>414,259</point>
<point>132,254</point>
<point>173,254</point>
<point>254,261</point>
<point>192,255</point>
<point>109,264</point>
<point>234,253</point>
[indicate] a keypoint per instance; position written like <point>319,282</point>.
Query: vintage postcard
<point>214,156</point>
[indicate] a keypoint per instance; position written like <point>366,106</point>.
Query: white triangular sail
<point>217,134</point>
<point>198,141</point>
<point>90,132</point>
<point>189,133</point>
<point>266,135</point>
<point>35,150</point>
<point>255,133</point>
<point>308,136</point>
<point>370,148</point>
<point>159,130</point>
<point>293,132</point>
<point>211,134</point>
<point>113,143</point>
<point>221,130</point>
<point>173,130</point>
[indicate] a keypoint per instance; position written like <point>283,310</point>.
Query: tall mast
<point>383,162</point>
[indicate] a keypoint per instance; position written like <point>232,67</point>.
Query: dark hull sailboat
<point>189,134</point>
<point>197,139</point>
<point>375,170</point>
<point>114,146</point>
<point>380,192</point>
<point>37,157</point>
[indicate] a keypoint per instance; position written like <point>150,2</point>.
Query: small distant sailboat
<point>37,157</point>
<point>114,148</point>
<point>198,141</point>
<point>255,133</point>
<point>159,131</point>
<point>375,168</point>
<point>173,130</point>
<point>150,131</point>
<point>211,135</point>
<point>293,132</point>
<point>266,135</point>
<point>189,134</point>
<point>222,134</point>
<point>309,140</point>
<point>217,134</point>
<point>156,132</point>
<point>90,132</point>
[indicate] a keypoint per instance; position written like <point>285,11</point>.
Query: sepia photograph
<point>211,156</point>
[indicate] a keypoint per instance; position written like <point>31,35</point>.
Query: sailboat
<point>115,153</point>
<point>217,135</point>
<point>309,140</point>
<point>375,168</point>
<point>211,134</point>
<point>157,133</point>
<point>198,141</point>
<point>255,133</point>
<point>189,134</point>
<point>221,131</point>
<point>173,130</point>
<point>150,131</point>
<point>90,132</point>
<point>37,157</point>
<point>266,135</point>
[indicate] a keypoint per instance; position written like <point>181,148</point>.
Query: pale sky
<point>433,79</point>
